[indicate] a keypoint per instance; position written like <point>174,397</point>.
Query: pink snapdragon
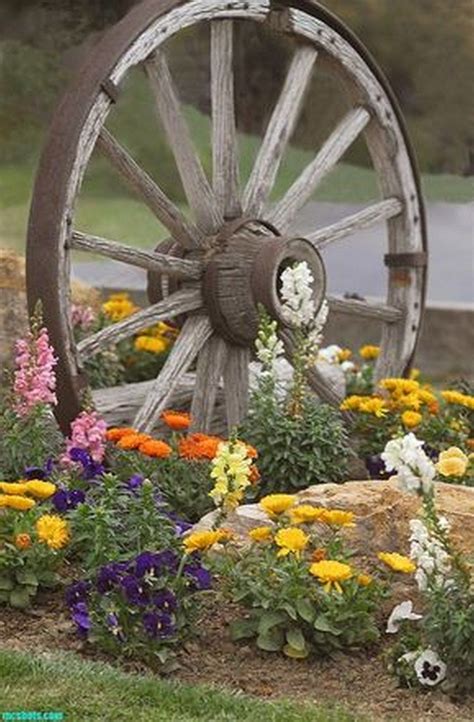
<point>82,316</point>
<point>35,379</point>
<point>88,432</point>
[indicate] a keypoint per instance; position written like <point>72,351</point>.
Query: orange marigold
<point>198,446</point>
<point>254,477</point>
<point>22,541</point>
<point>132,441</point>
<point>115,433</point>
<point>176,420</point>
<point>155,448</point>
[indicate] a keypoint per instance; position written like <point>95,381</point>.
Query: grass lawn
<point>95,691</point>
<point>107,209</point>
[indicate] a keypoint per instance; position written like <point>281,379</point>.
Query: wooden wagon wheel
<point>219,264</point>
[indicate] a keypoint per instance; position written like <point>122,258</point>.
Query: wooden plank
<point>194,334</point>
<point>151,261</point>
<point>225,158</point>
<point>282,214</point>
<point>236,385</point>
<point>196,186</point>
<point>179,302</point>
<point>279,130</point>
<point>209,370</point>
<point>354,307</point>
<point>365,218</point>
<point>157,201</point>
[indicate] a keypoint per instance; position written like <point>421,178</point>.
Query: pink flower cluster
<point>88,432</point>
<point>82,316</point>
<point>35,380</point>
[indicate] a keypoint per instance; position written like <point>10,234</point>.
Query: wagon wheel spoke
<point>225,166</point>
<point>236,385</point>
<point>354,307</point>
<point>331,152</point>
<point>157,201</point>
<point>210,366</point>
<point>365,218</point>
<point>195,183</point>
<point>279,130</point>
<point>174,305</point>
<point>315,378</point>
<point>194,334</point>
<point>158,262</point>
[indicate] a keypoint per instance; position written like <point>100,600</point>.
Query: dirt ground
<point>358,682</point>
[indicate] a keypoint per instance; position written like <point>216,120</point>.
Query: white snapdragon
<point>400,613</point>
<point>432,560</point>
<point>297,294</point>
<point>268,346</point>
<point>415,471</point>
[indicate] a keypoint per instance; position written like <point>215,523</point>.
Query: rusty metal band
<point>406,260</point>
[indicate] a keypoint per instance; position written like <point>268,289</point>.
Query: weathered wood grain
<point>160,262</point>
<point>156,200</point>
<point>196,186</point>
<point>365,218</point>
<point>236,385</point>
<point>279,130</point>
<point>354,307</point>
<point>331,152</point>
<point>194,334</point>
<point>225,158</point>
<point>209,370</point>
<point>174,305</point>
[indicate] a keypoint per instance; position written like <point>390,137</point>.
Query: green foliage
<point>26,441</point>
<point>296,451</point>
<point>116,522</point>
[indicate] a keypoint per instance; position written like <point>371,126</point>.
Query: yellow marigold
<point>152,344</point>
<point>427,397</point>
<point>369,353</point>
<point>338,517</point>
<point>261,533</point>
<point>40,489</point>
<point>364,580</point>
<point>53,531</point>
<point>373,405</point>
<point>452,462</point>
<point>12,487</point>
<point>331,573</point>
<point>118,306</point>
<point>456,397</point>
<point>306,514</point>
<point>407,401</point>
<point>400,386</point>
<point>291,540</point>
<point>397,562</point>
<point>410,419</point>
<point>204,540</point>
<point>22,541</point>
<point>13,501</point>
<point>344,355</point>
<point>275,504</point>
<point>351,403</point>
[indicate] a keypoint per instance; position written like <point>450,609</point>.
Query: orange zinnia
<point>22,541</point>
<point>199,446</point>
<point>176,420</point>
<point>155,448</point>
<point>132,441</point>
<point>115,433</point>
<point>254,477</point>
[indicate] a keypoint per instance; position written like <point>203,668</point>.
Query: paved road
<point>355,264</point>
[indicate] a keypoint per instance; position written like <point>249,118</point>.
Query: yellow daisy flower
<point>338,517</point>
<point>53,531</point>
<point>331,573</point>
<point>369,353</point>
<point>291,540</point>
<point>261,533</point>
<point>397,562</point>
<point>410,419</point>
<point>306,514</point>
<point>275,504</point>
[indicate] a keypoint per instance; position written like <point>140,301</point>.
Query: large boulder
<point>382,510</point>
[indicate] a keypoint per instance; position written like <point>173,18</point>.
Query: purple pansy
<point>110,575</point>
<point>90,468</point>
<point>80,615</point>
<point>199,577</point>
<point>158,625</point>
<point>135,482</point>
<point>165,599</point>
<point>65,500</point>
<point>77,592</point>
<point>39,472</point>
<point>134,591</point>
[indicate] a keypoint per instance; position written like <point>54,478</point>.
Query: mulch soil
<point>357,681</point>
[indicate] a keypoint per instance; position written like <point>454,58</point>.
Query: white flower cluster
<point>297,294</point>
<point>331,354</point>
<point>315,333</point>
<point>268,345</point>
<point>415,471</point>
<point>432,560</point>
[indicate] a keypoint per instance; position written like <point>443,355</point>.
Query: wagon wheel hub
<point>243,268</point>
